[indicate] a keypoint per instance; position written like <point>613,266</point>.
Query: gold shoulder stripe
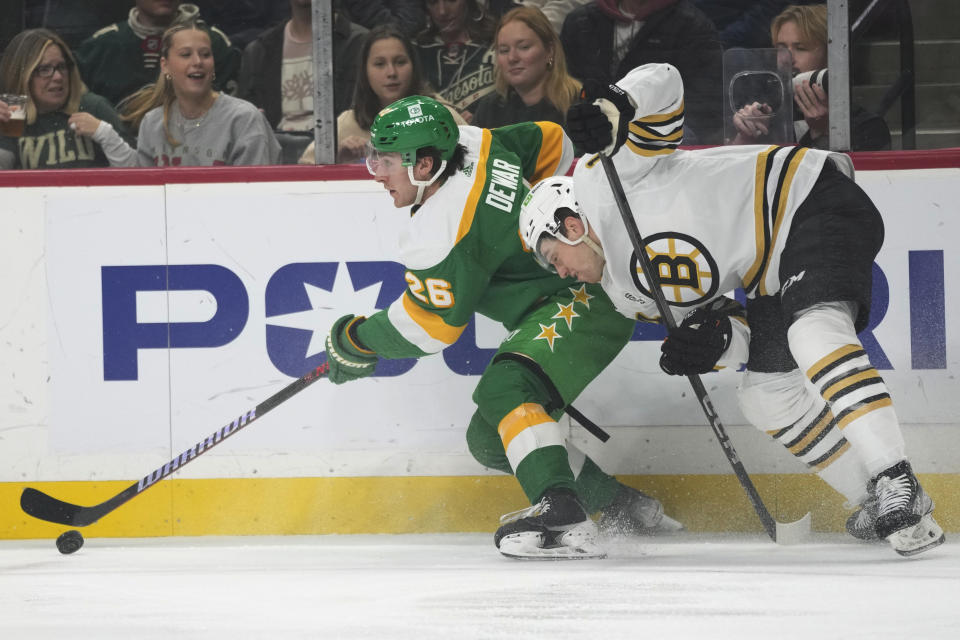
<point>592,162</point>
<point>780,201</point>
<point>432,324</point>
<point>759,216</point>
<point>551,151</point>
<point>479,182</point>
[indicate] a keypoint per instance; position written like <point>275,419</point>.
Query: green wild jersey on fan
<point>462,249</point>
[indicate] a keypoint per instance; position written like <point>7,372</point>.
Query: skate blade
<point>921,537</point>
<point>795,532</point>
<point>526,546</point>
<point>667,525</point>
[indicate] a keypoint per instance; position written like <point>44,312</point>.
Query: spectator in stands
<point>184,121</point>
<point>66,125</point>
<point>498,8</point>
<point>243,20</point>
<point>555,10</point>
<point>606,39</point>
<point>407,16</point>
<point>531,78</point>
<point>123,57</point>
<point>744,23</point>
<point>73,21</point>
<point>391,71</point>
<point>802,30</point>
<point>277,69</point>
<point>455,52</point>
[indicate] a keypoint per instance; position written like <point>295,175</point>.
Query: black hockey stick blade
<point>786,533</point>
<point>45,507</point>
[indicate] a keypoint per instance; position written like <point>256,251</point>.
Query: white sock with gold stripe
<point>825,345</point>
<point>784,407</point>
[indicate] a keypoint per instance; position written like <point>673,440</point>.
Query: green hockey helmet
<point>413,123</point>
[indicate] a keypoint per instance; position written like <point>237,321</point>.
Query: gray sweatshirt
<point>232,132</point>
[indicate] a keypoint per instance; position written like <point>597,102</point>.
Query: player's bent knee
<point>485,445</point>
<point>774,400</point>
<point>506,385</point>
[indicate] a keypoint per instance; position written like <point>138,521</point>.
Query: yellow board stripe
<point>526,415</point>
<point>432,324</point>
<point>827,360</point>
<point>479,181</point>
<point>759,219</point>
<point>783,194</point>
<point>843,383</point>
<point>474,503</point>
<point>551,151</point>
<point>865,409</point>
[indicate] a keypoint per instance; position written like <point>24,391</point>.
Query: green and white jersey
<point>49,143</point>
<point>462,249</point>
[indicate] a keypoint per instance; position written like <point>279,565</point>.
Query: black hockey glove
<point>348,357</point>
<point>698,343</point>
<point>600,121</point>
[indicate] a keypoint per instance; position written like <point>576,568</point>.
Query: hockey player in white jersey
<point>789,226</point>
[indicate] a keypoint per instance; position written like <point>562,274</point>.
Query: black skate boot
<point>633,512</point>
<point>904,512</point>
<point>862,523</point>
<point>557,527</point>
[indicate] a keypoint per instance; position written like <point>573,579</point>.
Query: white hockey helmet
<point>543,211</point>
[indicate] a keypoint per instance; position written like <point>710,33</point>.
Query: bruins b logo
<point>687,272</point>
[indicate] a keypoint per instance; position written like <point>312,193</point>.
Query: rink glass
<point>13,128</point>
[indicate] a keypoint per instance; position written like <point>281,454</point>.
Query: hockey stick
<point>44,507</point>
<point>785,533</point>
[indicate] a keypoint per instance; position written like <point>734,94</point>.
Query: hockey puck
<point>69,541</point>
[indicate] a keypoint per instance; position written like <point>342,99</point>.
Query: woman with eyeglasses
<point>66,126</point>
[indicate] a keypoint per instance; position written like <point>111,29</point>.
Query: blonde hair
<point>560,88</point>
<point>160,93</point>
<point>811,21</point>
<point>21,59</point>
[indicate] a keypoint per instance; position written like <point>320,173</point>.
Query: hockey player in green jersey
<point>789,226</point>
<point>463,256</point>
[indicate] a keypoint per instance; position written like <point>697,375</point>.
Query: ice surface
<point>457,587</point>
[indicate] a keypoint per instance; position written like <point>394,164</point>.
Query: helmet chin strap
<point>593,245</point>
<point>423,184</point>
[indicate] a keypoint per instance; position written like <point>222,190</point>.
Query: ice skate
<point>633,512</point>
<point>556,528</point>
<point>862,523</point>
<point>905,512</point>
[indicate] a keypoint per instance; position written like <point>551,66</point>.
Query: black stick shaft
<point>45,507</point>
<point>653,282</point>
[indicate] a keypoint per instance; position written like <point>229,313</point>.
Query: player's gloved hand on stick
<point>600,121</point>
<point>349,358</point>
<point>698,343</point>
